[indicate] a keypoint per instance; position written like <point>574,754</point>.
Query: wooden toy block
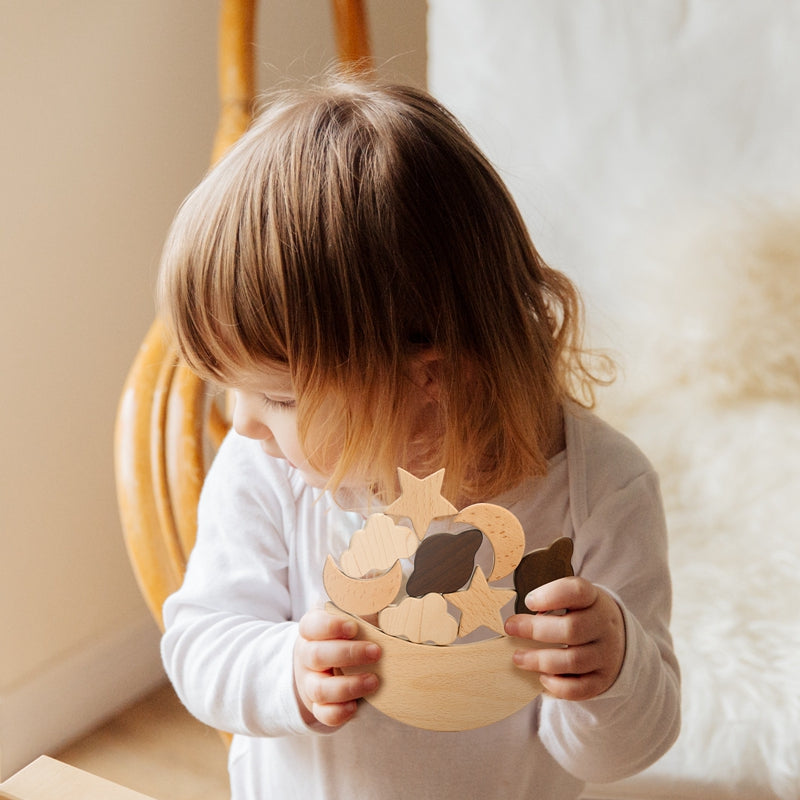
<point>421,500</point>
<point>377,546</point>
<point>540,567</point>
<point>444,562</point>
<point>447,688</point>
<point>480,604</point>
<point>48,779</point>
<point>502,529</point>
<point>420,620</point>
<point>361,596</point>
<point>425,679</point>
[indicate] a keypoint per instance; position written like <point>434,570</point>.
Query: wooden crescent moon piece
<point>453,688</point>
<point>502,529</point>
<point>361,595</point>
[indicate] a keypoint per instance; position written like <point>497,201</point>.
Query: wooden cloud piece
<point>480,604</point>
<point>444,562</point>
<point>540,567</point>
<point>377,546</point>
<point>502,529</point>
<point>361,596</point>
<point>421,500</point>
<point>420,620</point>
<point>447,688</point>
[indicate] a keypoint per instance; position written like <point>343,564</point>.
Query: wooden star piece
<point>480,604</point>
<point>421,500</point>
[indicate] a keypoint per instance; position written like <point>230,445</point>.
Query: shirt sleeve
<point>229,639</point>
<point>622,547</point>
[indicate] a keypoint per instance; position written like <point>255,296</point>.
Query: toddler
<point>357,273</point>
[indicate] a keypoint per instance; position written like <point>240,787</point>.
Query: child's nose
<point>246,418</point>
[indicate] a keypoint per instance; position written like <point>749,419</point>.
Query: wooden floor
<point>158,749</point>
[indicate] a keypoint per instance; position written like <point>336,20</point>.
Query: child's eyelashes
<point>280,405</point>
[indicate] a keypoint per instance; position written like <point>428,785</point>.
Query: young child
<point>357,273</point>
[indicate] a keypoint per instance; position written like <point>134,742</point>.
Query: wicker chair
<point>167,426</point>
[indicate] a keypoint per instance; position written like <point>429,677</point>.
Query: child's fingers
<point>572,594</point>
<point>321,656</point>
<point>575,687</point>
<point>334,715</point>
<point>574,673</point>
<point>318,625</point>
<point>327,643</point>
<point>574,661</point>
<point>588,642</point>
<point>323,649</point>
<point>323,689</point>
<point>574,628</point>
<point>332,696</point>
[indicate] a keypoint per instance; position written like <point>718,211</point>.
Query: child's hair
<point>353,227</point>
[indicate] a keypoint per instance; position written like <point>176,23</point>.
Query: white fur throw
<point>653,148</point>
<point>715,401</point>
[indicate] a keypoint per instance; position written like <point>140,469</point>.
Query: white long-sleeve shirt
<point>257,568</point>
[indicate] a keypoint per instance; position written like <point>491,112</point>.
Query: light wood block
<point>453,688</point>
<point>421,500</point>
<point>361,596</point>
<point>48,779</point>
<point>420,619</point>
<point>502,529</point>
<point>480,604</point>
<point>377,546</point>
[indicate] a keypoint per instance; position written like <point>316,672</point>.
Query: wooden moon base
<point>454,688</point>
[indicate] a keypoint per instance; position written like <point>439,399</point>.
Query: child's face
<point>266,410</point>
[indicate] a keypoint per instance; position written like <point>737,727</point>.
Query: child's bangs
<point>224,343</point>
<point>223,308</point>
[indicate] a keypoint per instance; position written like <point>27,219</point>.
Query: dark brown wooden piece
<point>540,567</point>
<point>444,562</point>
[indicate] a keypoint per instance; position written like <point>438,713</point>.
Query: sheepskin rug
<point>712,394</point>
<point>652,148</point>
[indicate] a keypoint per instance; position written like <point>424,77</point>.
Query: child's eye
<point>280,405</point>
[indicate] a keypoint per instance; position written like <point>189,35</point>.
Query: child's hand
<point>326,644</point>
<point>592,629</point>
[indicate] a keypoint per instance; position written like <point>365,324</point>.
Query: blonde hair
<point>353,227</point>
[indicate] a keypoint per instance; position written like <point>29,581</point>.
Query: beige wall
<point>108,113</point>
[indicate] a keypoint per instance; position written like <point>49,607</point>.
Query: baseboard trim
<point>79,692</point>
